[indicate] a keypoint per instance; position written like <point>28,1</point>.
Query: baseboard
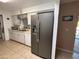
<point>20,43</point>
<point>61,49</point>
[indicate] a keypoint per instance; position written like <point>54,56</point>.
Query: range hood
<point>22,16</point>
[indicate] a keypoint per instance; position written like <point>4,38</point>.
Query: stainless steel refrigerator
<point>42,33</point>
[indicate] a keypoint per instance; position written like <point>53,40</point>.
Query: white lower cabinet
<point>22,37</point>
<point>28,39</point>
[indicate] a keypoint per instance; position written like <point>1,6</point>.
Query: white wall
<point>7,23</point>
<point>56,17</point>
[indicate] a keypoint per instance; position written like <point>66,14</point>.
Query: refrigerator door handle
<point>38,31</point>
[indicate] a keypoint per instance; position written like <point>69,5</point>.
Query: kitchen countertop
<point>27,30</point>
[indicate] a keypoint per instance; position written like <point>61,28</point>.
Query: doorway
<point>76,44</point>
<point>1,28</point>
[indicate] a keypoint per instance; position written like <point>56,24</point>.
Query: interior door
<point>46,29</point>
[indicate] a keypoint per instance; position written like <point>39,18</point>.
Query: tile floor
<point>76,48</point>
<point>63,55</point>
<point>14,50</point>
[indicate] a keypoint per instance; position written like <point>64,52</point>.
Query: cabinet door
<point>17,36</point>
<point>28,39</point>
<point>20,37</point>
<point>12,35</point>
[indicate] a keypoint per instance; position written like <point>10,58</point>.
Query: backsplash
<point>20,23</point>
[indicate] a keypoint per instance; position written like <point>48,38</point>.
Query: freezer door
<point>46,30</point>
<point>35,34</point>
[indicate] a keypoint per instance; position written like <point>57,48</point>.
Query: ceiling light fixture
<point>4,1</point>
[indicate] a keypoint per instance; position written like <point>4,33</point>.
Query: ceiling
<point>19,4</point>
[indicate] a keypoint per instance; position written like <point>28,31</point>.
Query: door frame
<point>2,23</point>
